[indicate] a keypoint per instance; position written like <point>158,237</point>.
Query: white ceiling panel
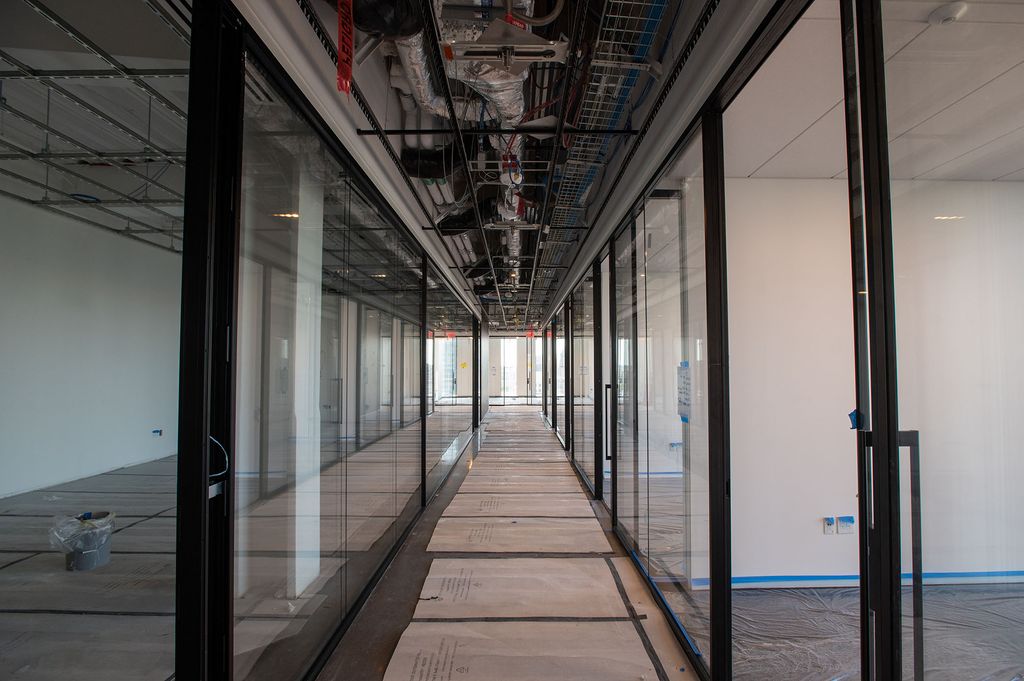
<point>1000,11</point>
<point>800,81</point>
<point>989,113</point>
<point>943,65</point>
<point>998,159</point>
<point>819,152</point>
<point>956,97</point>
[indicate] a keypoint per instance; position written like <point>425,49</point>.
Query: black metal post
<point>598,385</point>
<point>885,618</point>
<point>912,440</point>
<point>634,379</point>
<point>613,380</point>
<point>570,417</point>
<point>476,373</point>
<point>203,602</point>
<point>718,396</point>
<point>423,381</point>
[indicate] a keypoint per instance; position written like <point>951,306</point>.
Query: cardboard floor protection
<point>505,468</point>
<point>460,588</point>
<point>519,483</point>
<point>522,505</point>
<point>653,621</point>
<point>519,535</point>
<point>520,651</point>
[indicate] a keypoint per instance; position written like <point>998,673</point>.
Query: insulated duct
<point>412,53</point>
<point>465,221</point>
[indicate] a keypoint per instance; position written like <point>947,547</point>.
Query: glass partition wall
<point>450,358</point>
<point>623,303</point>
<point>583,372</point>
<point>328,470</point>
<point>558,380</point>
<point>661,436</point>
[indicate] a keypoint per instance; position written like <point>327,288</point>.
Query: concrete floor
<point>510,575</point>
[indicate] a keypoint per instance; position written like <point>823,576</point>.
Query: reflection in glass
<point>327,466</point>
<point>674,460</point>
<point>627,484</point>
<point>583,376</point>
<point>450,375</point>
<point>92,181</point>
<point>561,416</point>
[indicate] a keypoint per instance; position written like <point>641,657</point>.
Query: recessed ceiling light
<point>949,217</point>
<point>379,275</point>
<point>285,215</point>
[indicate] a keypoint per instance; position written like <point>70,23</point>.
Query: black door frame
<point>203,647</point>
<point>597,381</point>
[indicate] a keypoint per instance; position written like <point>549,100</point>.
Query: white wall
<point>959,288</point>
<point>89,366</point>
<point>791,376</point>
<point>959,330</point>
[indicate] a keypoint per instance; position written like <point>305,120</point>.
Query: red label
<point>346,46</point>
<point>509,19</point>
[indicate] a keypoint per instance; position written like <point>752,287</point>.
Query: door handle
<point>607,422</point>
<point>216,487</point>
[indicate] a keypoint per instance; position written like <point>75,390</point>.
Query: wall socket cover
<point>828,525</point>
<point>844,524</point>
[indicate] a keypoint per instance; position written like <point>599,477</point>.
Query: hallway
<point>521,580</point>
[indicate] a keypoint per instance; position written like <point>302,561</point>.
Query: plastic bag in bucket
<point>83,539</point>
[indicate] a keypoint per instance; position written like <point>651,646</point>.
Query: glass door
<point>627,486</point>
<point>943,205</point>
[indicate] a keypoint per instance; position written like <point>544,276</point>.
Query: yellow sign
<point>463,366</point>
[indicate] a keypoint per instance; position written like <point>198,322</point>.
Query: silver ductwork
<point>413,55</point>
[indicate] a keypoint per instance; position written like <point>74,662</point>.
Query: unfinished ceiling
<point>540,92</point>
<point>92,116</point>
<point>93,119</point>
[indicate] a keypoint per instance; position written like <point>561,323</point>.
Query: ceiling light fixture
<point>947,14</point>
<point>292,216</point>
<point>949,217</point>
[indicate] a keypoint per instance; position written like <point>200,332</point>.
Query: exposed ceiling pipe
<point>413,55</point>
<point>430,23</point>
<point>574,42</point>
<point>535,21</point>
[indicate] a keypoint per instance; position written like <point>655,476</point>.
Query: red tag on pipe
<point>515,22</point>
<point>346,46</point>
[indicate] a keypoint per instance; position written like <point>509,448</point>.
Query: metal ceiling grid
<point>620,54</point>
<point>89,132</point>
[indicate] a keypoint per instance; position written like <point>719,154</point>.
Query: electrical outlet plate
<point>844,524</point>
<point>828,525</point>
